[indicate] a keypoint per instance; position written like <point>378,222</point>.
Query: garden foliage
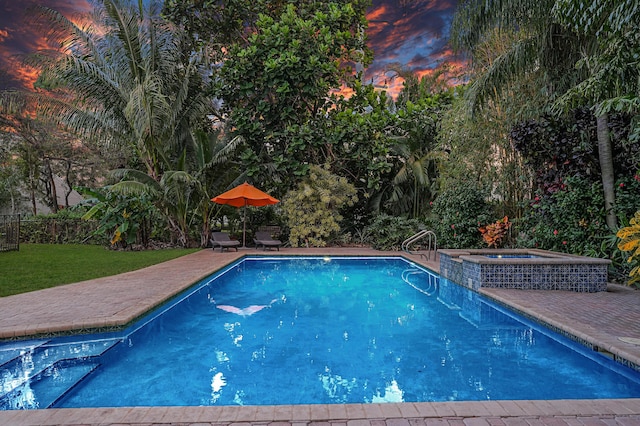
<point>459,210</point>
<point>274,86</point>
<point>64,227</point>
<point>122,220</point>
<point>387,232</point>
<point>495,233</point>
<point>281,69</point>
<point>630,242</point>
<point>313,209</point>
<point>566,217</point>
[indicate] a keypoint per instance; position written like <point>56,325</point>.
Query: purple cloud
<point>19,37</point>
<point>413,33</point>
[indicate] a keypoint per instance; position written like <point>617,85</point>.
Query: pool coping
<point>484,413</point>
<point>197,266</point>
<point>543,257</point>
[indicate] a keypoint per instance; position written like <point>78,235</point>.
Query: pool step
<point>11,351</point>
<point>30,366</point>
<point>49,386</point>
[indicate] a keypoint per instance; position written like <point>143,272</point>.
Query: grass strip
<point>39,266</point>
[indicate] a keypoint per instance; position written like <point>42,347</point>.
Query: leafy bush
<point>557,148</point>
<point>64,227</point>
<point>388,232</point>
<point>312,210</point>
<point>627,199</point>
<point>495,233</point>
<point>122,220</point>
<point>570,219</point>
<point>630,242</point>
<point>459,210</point>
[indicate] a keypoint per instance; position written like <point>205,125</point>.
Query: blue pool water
<point>312,330</point>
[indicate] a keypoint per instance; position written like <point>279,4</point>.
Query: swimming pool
<point>312,330</point>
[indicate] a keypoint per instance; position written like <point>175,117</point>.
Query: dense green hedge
<point>59,230</point>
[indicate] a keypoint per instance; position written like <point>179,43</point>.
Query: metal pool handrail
<point>406,244</point>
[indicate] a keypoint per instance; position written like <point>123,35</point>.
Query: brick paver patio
<point>601,319</point>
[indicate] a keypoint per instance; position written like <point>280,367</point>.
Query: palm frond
<point>420,170</point>
<point>520,59</point>
<point>174,177</point>
<point>133,188</point>
<point>72,38</point>
<point>475,18</point>
<point>134,175</point>
<point>90,81</point>
<point>127,24</point>
<point>402,176</point>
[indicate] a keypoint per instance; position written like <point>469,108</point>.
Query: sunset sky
<point>413,33</point>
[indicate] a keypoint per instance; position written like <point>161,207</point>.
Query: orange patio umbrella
<point>242,196</point>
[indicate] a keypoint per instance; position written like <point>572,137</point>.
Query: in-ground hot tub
<point>525,269</point>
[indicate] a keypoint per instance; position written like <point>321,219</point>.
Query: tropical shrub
<point>274,83</point>
<point>568,217</point>
<point>630,242</point>
<point>494,233</point>
<point>458,212</point>
<point>122,220</point>
<point>627,199</point>
<point>64,227</point>
<point>388,232</point>
<point>558,148</point>
<point>313,209</point>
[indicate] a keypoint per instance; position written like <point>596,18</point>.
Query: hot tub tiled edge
<point>546,270</point>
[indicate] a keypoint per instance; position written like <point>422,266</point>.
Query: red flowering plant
<point>627,190</point>
<point>494,233</point>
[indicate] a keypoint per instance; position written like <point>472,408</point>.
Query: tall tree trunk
<point>32,192</point>
<point>67,179</point>
<point>606,169</point>
<point>53,192</point>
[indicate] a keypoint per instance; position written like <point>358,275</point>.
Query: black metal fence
<point>9,232</point>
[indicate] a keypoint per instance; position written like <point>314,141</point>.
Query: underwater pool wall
<point>525,269</point>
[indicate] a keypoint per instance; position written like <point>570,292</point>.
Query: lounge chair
<point>222,240</point>
<point>264,239</point>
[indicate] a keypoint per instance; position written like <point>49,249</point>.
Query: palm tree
<point>413,143</point>
<point>414,183</point>
<point>125,78</point>
<point>184,195</point>
<point>541,47</point>
<point>613,82</point>
<point>544,49</point>
<point>128,78</point>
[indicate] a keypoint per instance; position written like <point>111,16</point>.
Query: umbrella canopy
<point>242,196</point>
<point>245,195</point>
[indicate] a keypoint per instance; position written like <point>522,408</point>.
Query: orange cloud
<point>20,36</point>
<point>27,75</point>
<point>377,13</point>
<point>412,34</point>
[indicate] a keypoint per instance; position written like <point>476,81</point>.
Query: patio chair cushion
<point>222,240</point>
<point>264,239</point>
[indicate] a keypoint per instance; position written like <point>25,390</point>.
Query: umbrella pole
<point>244,226</point>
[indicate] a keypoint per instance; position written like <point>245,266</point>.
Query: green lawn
<point>38,266</point>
